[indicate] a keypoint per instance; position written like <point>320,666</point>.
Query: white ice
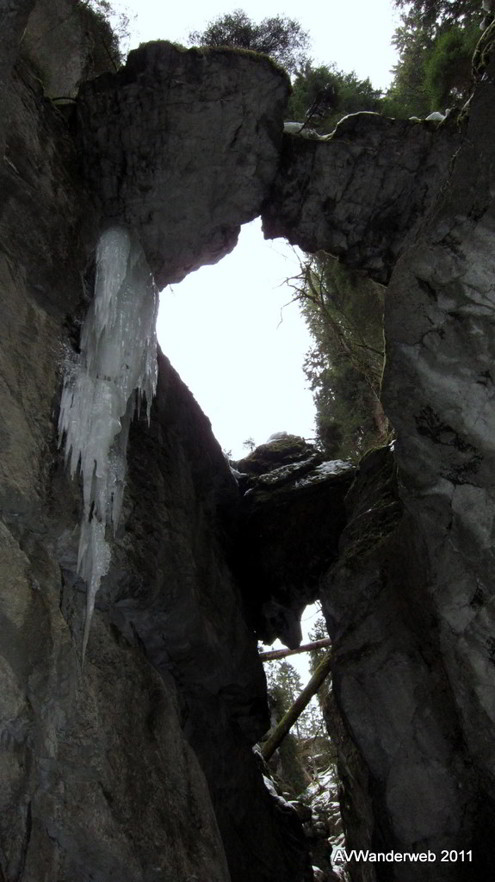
<point>103,387</point>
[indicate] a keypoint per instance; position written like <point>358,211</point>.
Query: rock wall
<point>80,750</point>
<point>361,192</point>
<point>411,610</point>
<point>139,765</point>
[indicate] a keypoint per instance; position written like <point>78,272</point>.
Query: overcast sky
<point>221,326</point>
<point>354,35</point>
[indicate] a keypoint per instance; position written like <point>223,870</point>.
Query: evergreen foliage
<point>279,36</point>
<point>113,28</point>
<point>323,95</point>
<point>318,632</point>
<point>344,313</point>
<point>437,13</point>
<point>284,685</point>
<point>435,42</point>
<point>447,67</point>
<point>307,750</point>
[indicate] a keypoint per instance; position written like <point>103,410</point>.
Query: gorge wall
<point>138,765</point>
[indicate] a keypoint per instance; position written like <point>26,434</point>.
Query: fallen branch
<point>273,741</point>
<point>283,653</point>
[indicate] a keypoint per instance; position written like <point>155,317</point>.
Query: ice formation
<point>103,387</point>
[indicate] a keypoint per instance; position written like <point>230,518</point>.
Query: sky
<point>237,346</point>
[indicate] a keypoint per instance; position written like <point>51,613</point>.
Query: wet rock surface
<point>408,603</point>
<point>440,331</point>
<point>391,687</point>
<point>86,783</point>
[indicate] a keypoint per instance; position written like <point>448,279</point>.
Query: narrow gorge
<point>137,764</point>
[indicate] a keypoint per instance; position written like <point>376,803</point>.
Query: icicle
<point>102,389</point>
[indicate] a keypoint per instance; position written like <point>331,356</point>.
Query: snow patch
<point>330,467</point>
<point>277,436</point>
<point>104,386</point>
<point>436,116</point>
<point>270,786</point>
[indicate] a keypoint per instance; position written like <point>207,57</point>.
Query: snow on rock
<point>436,116</point>
<point>330,467</point>
<point>277,436</point>
<point>286,472</point>
<point>270,786</point>
<point>292,128</point>
<point>103,387</point>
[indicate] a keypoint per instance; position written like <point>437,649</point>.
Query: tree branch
<point>283,653</point>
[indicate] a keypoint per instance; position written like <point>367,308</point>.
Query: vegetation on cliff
<point>344,313</point>
<point>435,42</point>
<point>279,36</point>
<point>112,28</point>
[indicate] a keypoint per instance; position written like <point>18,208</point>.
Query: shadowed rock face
<point>292,516</point>
<point>14,16</point>
<point>139,766</point>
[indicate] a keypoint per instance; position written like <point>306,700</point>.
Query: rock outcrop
<point>291,521</point>
<point>70,789</point>
<point>182,146</point>
<point>215,156</point>
<point>362,192</point>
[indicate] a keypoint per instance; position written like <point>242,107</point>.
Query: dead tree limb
<point>283,653</point>
<point>273,741</point>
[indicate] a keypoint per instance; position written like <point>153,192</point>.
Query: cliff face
<point>68,788</point>
<point>130,767</point>
<point>139,765</point>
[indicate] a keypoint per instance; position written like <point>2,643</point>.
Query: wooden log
<point>269,746</point>
<point>283,653</point>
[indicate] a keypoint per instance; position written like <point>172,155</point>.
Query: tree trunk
<point>269,747</point>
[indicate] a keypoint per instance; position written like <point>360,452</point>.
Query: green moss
<point>246,53</point>
<point>374,507</point>
<point>283,451</point>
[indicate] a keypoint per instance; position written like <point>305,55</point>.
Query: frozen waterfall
<point>103,387</point>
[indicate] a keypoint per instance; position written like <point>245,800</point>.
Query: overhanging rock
<point>362,192</point>
<point>183,146</point>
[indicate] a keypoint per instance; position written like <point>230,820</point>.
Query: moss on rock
<point>276,453</point>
